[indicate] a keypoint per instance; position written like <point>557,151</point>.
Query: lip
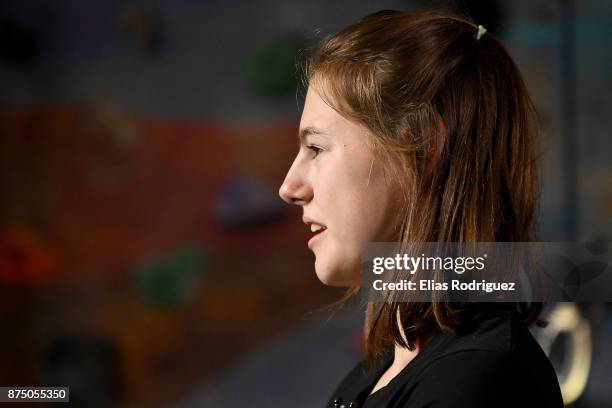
<point>307,220</point>
<point>317,237</point>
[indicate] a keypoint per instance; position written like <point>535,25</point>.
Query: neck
<point>402,356</point>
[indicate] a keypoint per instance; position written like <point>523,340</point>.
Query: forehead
<point>318,113</point>
<point>317,110</point>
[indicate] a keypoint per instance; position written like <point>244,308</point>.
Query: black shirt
<point>491,360</point>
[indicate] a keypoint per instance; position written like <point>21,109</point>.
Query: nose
<point>295,188</point>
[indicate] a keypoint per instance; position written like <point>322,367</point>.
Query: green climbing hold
<point>170,279</point>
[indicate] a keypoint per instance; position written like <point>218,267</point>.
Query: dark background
<point>145,257</point>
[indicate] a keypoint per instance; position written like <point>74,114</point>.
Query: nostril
<point>297,201</point>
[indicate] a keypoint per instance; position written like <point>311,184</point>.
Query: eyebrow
<point>307,131</point>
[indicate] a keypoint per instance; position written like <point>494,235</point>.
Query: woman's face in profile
<point>341,189</point>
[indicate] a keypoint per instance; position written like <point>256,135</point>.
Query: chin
<point>338,277</point>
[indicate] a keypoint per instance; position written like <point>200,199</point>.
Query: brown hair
<point>456,129</point>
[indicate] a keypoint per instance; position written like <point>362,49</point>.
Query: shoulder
<point>467,378</point>
<point>493,361</point>
<point>466,371</point>
<point>484,378</point>
<point>492,340</point>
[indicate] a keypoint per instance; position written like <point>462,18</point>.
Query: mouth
<point>319,231</point>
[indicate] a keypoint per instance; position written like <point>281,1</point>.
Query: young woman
<point>417,127</point>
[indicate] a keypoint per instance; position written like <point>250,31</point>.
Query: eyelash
<point>315,149</point>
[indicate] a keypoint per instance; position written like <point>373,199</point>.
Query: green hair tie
<point>480,32</point>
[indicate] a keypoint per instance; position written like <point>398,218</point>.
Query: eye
<point>315,149</point>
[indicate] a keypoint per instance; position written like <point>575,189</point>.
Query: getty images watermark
<point>487,271</point>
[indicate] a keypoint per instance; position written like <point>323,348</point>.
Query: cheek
<point>357,211</point>
<point>369,216</point>
<point>337,262</point>
<point>338,257</point>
